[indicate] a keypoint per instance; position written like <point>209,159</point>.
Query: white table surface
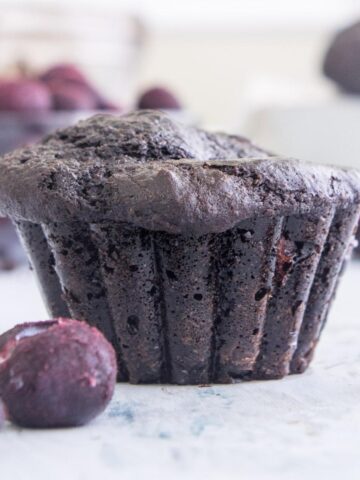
<point>303,427</point>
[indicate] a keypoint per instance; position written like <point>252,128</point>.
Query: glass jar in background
<point>102,45</point>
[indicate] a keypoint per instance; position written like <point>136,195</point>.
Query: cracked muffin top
<point>151,171</point>
<point>139,137</point>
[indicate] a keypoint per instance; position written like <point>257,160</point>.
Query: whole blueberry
<point>58,373</point>
<point>342,59</point>
<point>72,90</point>
<point>158,98</point>
<point>66,72</point>
<point>24,96</point>
<point>71,96</point>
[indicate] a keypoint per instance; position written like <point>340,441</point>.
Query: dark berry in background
<point>66,72</point>
<point>71,90</point>
<point>71,96</point>
<point>58,373</point>
<point>158,98</point>
<point>342,60</point>
<point>23,95</point>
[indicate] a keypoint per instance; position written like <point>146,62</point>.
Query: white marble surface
<point>302,427</point>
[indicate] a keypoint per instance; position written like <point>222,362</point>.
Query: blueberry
<point>24,95</point>
<point>58,373</point>
<point>158,98</point>
<point>70,96</point>
<point>65,72</point>
<point>73,91</point>
<point>342,62</point>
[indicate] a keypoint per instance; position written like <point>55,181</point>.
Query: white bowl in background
<point>326,132</point>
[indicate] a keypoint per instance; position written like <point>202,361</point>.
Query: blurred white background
<point>224,56</point>
<point>246,66</point>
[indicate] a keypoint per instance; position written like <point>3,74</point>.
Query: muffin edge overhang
<point>176,196</point>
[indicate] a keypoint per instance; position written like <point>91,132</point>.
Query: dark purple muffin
<point>342,59</point>
<point>202,258</point>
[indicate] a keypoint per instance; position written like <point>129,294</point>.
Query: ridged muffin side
<point>247,303</point>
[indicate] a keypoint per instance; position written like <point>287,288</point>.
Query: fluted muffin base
<point>249,303</point>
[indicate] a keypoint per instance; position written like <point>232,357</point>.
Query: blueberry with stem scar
<point>57,373</point>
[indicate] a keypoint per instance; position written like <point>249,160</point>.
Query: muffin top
<point>151,171</point>
<point>140,137</point>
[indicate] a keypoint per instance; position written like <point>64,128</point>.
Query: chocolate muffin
<point>200,256</point>
<point>342,59</point>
